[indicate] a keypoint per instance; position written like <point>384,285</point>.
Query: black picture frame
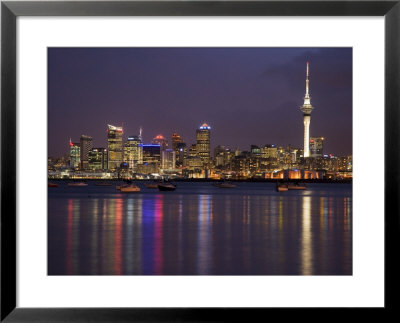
<point>10,10</point>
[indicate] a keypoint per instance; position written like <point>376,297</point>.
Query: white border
<point>364,288</point>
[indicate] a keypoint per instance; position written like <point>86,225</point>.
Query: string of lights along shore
<point>133,158</point>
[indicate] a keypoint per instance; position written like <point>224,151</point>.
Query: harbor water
<point>200,229</point>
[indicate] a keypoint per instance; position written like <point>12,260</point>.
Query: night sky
<point>247,95</point>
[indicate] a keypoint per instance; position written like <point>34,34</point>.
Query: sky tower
<point>306,108</point>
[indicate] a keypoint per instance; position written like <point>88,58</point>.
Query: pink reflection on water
<point>158,235</point>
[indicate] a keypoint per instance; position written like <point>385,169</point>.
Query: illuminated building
<point>269,157</point>
<point>151,158</point>
<point>316,146</point>
<point>182,153</point>
<point>114,141</point>
<point>194,162</point>
<point>160,140</point>
<point>151,153</point>
<point>269,152</point>
<point>241,164</point>
<point>179,147</point>
<point>255,151</point>
<point>203,143</point>
<point>175,140</point>
<point>293,155</point>
<point>306,108</point>
<point>74,154</point>
<point>86,144</point>
<point>192,151</point>
<point>168,159</point>
<point>148,168</point>
<point>98,159</point>
<point>133,152</point>
<point>220,155</point>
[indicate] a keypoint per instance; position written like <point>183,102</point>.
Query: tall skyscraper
<point>306,108</point>
<point>86,144</point>
<point>133,152</point>
<point>114,141</point>
<point>175,141</point>
<point>203,143</point>
<point>74,154</point>
<point>316,146</point>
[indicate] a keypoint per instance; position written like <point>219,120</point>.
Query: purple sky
<point>247,95</point>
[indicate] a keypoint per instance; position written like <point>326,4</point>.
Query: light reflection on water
<point>201,231</point>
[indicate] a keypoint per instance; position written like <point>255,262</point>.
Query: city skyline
<point>233,125</point>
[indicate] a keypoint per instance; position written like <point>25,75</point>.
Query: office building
<point>182,154</point>
<point>203,143</point>
<point>98,159</point>
<point>168,159</point>
<point>133,152</point>
<point>74,154</point>
<point>316,146</point>
<point>86,143</point>
<point>115,151</point>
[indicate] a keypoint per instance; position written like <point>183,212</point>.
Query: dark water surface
<point>200,230</point>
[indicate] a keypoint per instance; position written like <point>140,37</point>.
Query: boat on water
<point>166,187</point>
<point>103,184</point>
<point>224,185</point>
<point>52,185</point>
<point>125,183</point>
<point>78,184</point>
<point>130,188</point>
<point>296,186</point>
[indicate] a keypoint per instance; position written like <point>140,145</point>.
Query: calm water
<point>200,230</point>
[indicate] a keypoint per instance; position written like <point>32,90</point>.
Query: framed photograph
<point>196,161</point>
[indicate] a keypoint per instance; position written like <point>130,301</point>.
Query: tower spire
<point>307,99</point>
<point>306,108</point>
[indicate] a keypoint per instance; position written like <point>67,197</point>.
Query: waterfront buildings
<point>316,146</point>
<point>86,143</point>
<point>74,154</point>
<point>175,140</point>
<point>151,159</point>
<point>133,152</point>
<point>182,154</point>
<point>203,143</point>
<point>136,159</point>
<point>98,158</point>
<point>307,108</point>
<point>168,159</point>
<point>178,146</point>
<point>219,156</point>
<point>115,151</point>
